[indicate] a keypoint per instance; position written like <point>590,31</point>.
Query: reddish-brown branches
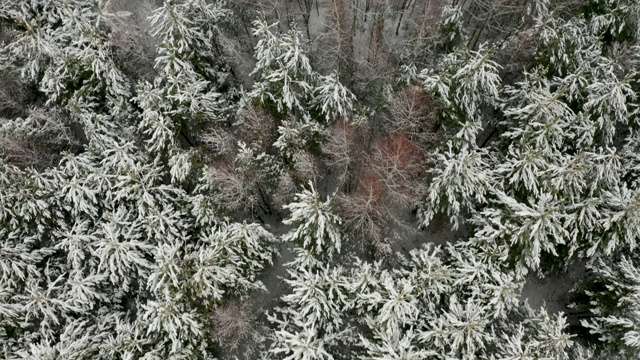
<point>389,184</point>
<point>363,211</point>
<point>397,162</point>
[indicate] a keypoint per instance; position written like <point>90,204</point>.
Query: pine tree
<point>285,75</point>
<point>334,99</point>
<point>614,308</point>
<point>312,325</point>
<point>108,256</point>
<point>464,83</point>
<point>317,227</point>
<point>462,178</point>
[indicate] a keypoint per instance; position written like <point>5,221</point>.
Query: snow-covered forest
<point>319,179</point>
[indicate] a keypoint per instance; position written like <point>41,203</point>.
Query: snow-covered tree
<point>462,178</point>
<point>68,60</point>
<point>316,226</point>
<point>452,24</point>
<point>332,98</point>
<point>121,237</point>
<point>185,96</point>
<point>285,77</point>
<point>105,254</point>
<point>297,341</point>
<point>463,84</point>
<point>613,304</point>
<point>120,234</point>
<point>312,325</point>
<point>456,302</point>
<point>286,81</point>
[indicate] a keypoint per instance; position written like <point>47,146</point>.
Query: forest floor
<point>555,289</point>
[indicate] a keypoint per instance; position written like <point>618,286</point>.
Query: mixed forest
<point>319,179</point>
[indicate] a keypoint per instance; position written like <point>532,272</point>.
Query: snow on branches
<point>317,227</point>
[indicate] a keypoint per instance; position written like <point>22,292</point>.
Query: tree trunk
<point>402,10</point>
<point>493,132</point>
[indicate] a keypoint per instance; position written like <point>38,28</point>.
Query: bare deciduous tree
<point>219,141</point>
<point>38,139</point>
<point>305,167</point>
<point>336,40</point>
<point>398,164</point>
<point>413,113</point>
<point>12,94</point>
<point>233,190</point>
<point>133,46</point>
<point>344,149</point>
<point>256,126</point>
<point>24,152</point>
<point>363,211</point>
<point>237,329</point>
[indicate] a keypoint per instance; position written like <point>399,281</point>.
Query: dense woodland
<point>202,179</point>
